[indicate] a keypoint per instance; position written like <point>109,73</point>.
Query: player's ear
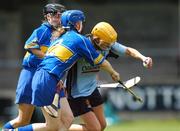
<point>79,26</point>
<point>48,16</point>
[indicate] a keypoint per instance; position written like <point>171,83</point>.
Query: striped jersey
<point>66,50</point>
<point>81,80</point>
<point>39,39</point>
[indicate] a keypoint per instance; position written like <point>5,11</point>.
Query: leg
<point>23,98</point>
<point>94,121</point>
<point>66,113</point>
<point>77,127</point>
<point>81,107</point>
<point>62,123</point>
<point>96,102</point>
<point>91,123</point>
<point>24,115</point>
<point>99,112</point>
<point>52,124</point>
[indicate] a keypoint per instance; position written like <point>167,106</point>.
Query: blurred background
<point>150,26</point>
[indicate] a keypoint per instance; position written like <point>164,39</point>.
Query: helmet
<point>105,32</point>
<point>53,8</point>
<point>70,17</point>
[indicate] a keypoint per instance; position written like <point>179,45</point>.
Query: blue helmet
<point>70,17</point>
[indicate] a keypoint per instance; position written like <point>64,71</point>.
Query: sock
<point>24,128</point>
<point>8,126</point>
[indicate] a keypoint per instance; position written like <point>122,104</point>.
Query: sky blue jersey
<point>81,80</point>
<point>66,50</point>
<point>39,39</point>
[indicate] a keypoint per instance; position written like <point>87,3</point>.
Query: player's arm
<point>34,49</point>
<point>147,61</point>
<point>34,43</point>
<point>120,49</point>
<point>37,52</point>
<point>134,53</point>
<point>105,65</point>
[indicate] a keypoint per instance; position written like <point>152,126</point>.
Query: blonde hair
<point>57,33</point>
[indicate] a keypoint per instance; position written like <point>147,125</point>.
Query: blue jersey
<point>66,50</point>
<point>81,80</point>
<point>39,39</point>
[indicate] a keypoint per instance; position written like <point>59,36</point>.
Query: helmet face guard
<point>53,9</point>
<point>105,32</point>
<point>71,17</point>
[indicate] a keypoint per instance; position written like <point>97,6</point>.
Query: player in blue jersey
<point>61,55</point>
<point>36,47</point>
<point>83,95</point>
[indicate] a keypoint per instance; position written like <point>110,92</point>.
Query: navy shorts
<point>24,87</point>
<point>82,105</point>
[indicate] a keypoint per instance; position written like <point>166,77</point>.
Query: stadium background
<point>151,26</point>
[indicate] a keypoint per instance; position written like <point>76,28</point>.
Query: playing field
<point>146,125</point>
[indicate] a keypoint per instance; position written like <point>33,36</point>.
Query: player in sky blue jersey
<point>36,47</point>
<point>61,55</point>
<point>83,95</point>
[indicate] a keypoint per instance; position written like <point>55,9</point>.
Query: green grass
<point>146,125</point>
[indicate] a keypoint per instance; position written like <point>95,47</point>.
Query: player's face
<point>54,18</point>
<point>103,45</point>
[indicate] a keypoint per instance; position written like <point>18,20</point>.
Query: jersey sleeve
<point>38,38</point>
<point>32,41</point>
<point>118,49</point>
<point>87,50</point>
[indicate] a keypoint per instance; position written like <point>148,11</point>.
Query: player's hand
<point>115,76</point>
<point>60,85</point>
<point>147,62</point>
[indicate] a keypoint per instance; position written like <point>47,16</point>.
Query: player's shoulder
<point>44,27</point>
<point>76,36</point>
<point>83,38</point>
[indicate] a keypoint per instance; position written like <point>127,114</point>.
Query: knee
<point>103,126</point>
<point>96,127</point>
<point>24,121</point>
<point>67,121</point>
<point>20,122</point>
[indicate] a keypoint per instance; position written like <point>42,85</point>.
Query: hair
<point>58,32</point>
<point>52,7</point>
<point>44,20</point>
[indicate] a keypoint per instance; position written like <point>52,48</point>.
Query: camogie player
<point>36,47</point>
<point>81,85</point>
<point>61,55</point>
